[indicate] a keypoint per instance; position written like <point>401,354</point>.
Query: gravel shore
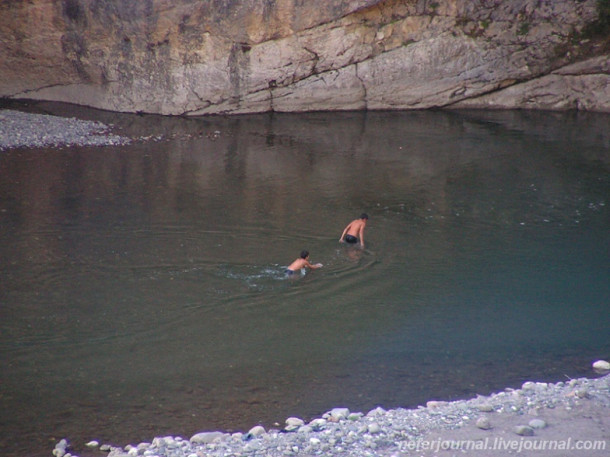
<point>566,418</point>
<point>30,130</point>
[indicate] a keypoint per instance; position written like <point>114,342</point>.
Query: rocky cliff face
<point>229,56</point>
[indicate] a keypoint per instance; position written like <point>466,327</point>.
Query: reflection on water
<point>147,281</point>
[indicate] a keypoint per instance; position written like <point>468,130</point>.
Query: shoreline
<point>551,419</point>
<point>19,129</point>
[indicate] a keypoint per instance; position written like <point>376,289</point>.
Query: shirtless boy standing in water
<point>355,230</point>
<point>301,262</point>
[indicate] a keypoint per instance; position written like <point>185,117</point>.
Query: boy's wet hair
<point>304,254</point>
<point>364,216</point>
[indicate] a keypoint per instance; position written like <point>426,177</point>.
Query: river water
<point>142,287</point>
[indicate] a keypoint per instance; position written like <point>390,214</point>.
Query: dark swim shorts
<point>289,272</point>
<point>351,239</point>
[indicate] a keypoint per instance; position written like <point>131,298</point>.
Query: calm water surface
<point>142,289</point>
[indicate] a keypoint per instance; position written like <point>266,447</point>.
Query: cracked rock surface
<point>196,58</point>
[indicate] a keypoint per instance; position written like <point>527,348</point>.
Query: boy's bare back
<point>354,231</point>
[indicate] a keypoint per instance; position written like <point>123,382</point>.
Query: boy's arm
<point>314,267</point>
<point>344,232</point>
<point>361,235</point>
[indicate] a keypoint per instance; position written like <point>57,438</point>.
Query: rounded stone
<point>483,423</point>
<point>436,404</point>
<point>601,365</point>
<point>256,431</point>
<point>582,393</point>
<point>294,422</point>
<point>305,429</point>
<point>374,428</point>
<point>318,424</point>
<point>537,423</point>
<point>206,437</point>
<point>379,411</point>
<point>485,408</point>
<point>524,430</point>
<point>339,413</point>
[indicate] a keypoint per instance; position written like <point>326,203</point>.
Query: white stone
<point>339,413</point>
<point>206,437</point>
<point>295,422</point>
<point>485,408</point>
<point>483,423</point>
<point>537,423</point>
<point>92,443</point>
<point>601,365</point>
<point>60,448</point>
<point>435,404</point>
<point>379,411</point>
<point>161,440</point>
<point>582,393</point>
<point>524,430</point>
<point>374,428</point>
<point>257,431</point>
<point>305,429</point>
<point>317,424</point>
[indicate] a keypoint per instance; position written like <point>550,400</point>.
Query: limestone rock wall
<point>241,56</point>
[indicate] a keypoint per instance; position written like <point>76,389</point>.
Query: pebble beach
<point>31,130</point>
<point>570,418</point>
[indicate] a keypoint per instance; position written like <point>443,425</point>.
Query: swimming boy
<point>301,262</point>
<point>355,230</point>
